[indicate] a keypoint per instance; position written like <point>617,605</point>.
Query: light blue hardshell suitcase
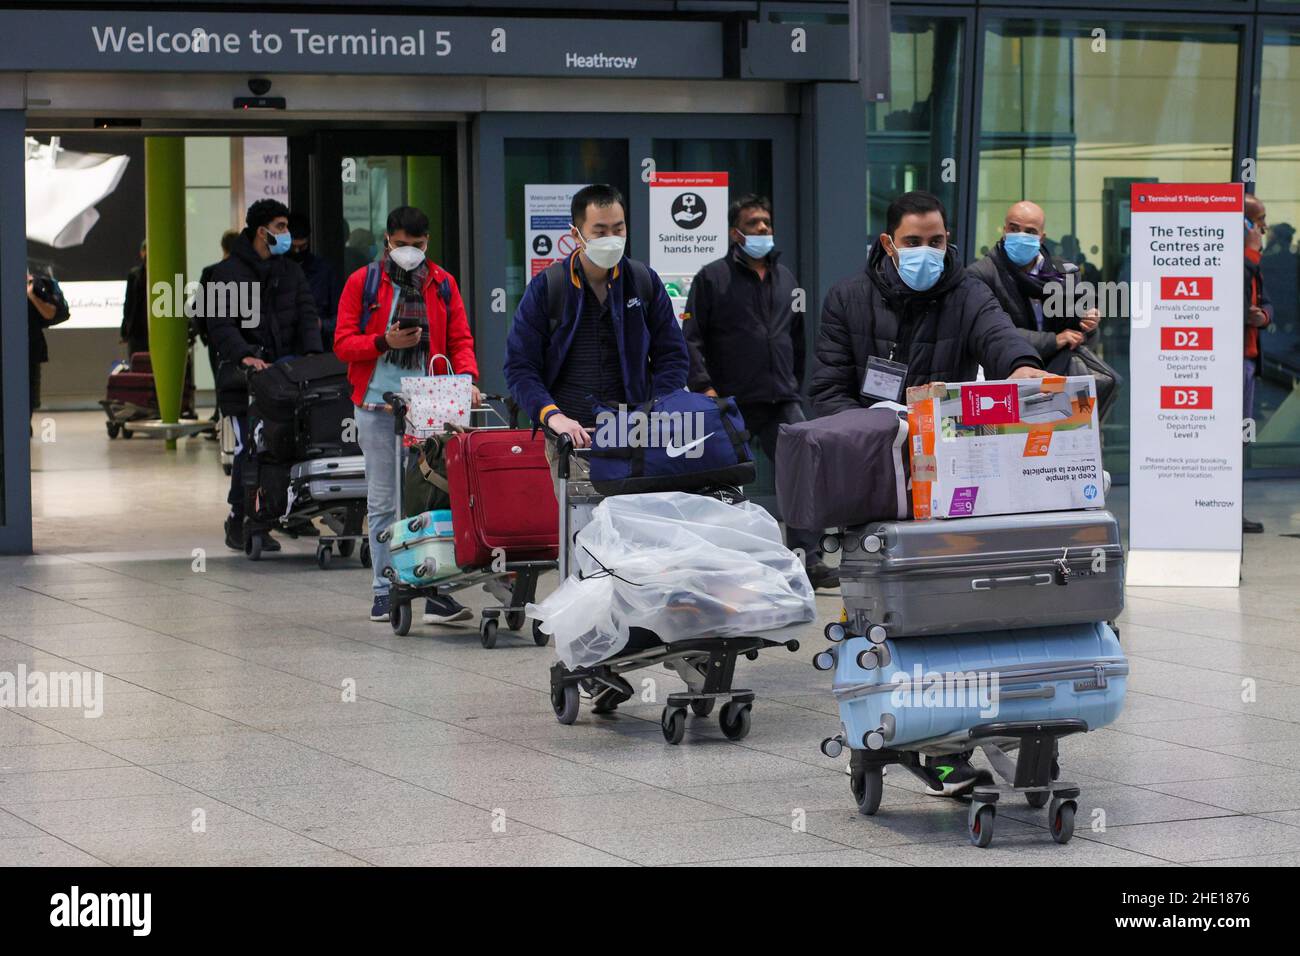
<point>422,549</point>
<point>927,693</point>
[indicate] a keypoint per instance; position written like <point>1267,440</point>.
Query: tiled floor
<point>226,737</point>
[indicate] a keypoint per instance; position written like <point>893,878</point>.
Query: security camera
<point>259,86</point>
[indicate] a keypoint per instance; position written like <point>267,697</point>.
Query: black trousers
<point>763,420</point>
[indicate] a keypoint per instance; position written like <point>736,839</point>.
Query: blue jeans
<point>379,446</point>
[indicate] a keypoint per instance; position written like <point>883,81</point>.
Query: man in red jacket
<point>417,313</point>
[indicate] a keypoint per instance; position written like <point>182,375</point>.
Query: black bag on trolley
<point>301,408</point>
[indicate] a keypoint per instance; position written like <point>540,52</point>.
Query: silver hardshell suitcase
<point>913,578</point>
<point>346,466</point>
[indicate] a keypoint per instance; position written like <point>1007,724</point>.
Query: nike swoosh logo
<point>672,451</point>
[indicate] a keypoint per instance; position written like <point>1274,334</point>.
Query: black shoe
<point>955,774</point>
<point>1251,527</point>
<point>822,577</point>
<point>445,610</point>
<point>269,543</point>
<point>235,534</point>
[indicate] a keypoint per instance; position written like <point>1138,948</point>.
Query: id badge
<point>884,379</point>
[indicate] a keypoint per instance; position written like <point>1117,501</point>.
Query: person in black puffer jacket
<point>914,305</point>
<point>259,309</point>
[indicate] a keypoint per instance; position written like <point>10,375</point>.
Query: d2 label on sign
<point>1187,340</point>
<point>1194,398</point>
<point>1187,287</point>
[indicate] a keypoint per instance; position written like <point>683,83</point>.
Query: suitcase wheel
<point>323,555</point>
<point>539,638</point>
<point>673,724</point>
<point>868,787</point>
<point>1060,819</point>
<point>980,823</point>
<point>113,429</point>
<point>365,554</point>
<point>126,432</point>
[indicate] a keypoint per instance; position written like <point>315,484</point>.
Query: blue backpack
<point>683,441</point>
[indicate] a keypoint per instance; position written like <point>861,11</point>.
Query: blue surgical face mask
<point>280,244</point>
<point>1022,247</point>
<point>756,247</point>
<point>920,266</point>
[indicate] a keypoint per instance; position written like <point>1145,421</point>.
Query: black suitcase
<point>302,408</point>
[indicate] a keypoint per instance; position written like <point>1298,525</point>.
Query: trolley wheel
<point>980,823</point>
<point>751,655</point>
<point>565,704</point>
<point>1060,817</point>
<point>515,619</point>
<point>702,706</point>
<point>227,469</point>
<point>365,554</point>
<point>399,616</point>
<point>113,428</point>
<point>487,632</point>
<point>734,720</point>
<point>1037,799</point>
<point>539,638</point>
<point>673,724</point>
<point>868,787</point>
<point>346,547</point>
<point>323,555</point>
<point>126,432</point>
<point>253,546</point>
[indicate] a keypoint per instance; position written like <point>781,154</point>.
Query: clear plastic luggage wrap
<point>679,565</point>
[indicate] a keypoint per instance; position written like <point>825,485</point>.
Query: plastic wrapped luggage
<point>931,692</point>
<point>1006,571</point>
<point>501,496</point>
<point>844,469</point>
<point>422,549</point>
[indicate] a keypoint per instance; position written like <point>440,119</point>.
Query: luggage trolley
<point>705,664</point>
<point>513,583</point>
<point>1033,772</point>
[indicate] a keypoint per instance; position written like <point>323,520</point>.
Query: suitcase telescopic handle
<point>1011,581</point>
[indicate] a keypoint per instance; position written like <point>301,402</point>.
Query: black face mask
<point>297,255</point>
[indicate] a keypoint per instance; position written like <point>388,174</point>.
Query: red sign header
<point>698,180</point>
<point>1182,197</point>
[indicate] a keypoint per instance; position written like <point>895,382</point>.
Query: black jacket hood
<point>896,293</point>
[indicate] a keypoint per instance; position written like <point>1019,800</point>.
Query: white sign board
<point>1185,467</point>
<point>547,212</point>
<point>688,226</point>
<point>93,304</point>
<point>266,169</point>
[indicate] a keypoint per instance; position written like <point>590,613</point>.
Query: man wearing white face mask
<point>913,317</point>
<point>594,328</point>
<point>413,313</point>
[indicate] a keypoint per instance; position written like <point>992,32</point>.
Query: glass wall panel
<point>1075,111</point>
<point>913,138</point>
<point>1277,403</point>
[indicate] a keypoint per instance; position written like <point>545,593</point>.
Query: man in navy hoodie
<point>605,333</point>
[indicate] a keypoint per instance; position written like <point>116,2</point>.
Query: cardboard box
<point>1011,447</point>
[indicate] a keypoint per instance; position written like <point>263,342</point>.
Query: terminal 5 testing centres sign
<point>1185,466</point>
<point>332,43</point>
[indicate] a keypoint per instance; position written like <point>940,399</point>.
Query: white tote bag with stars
<point>435,401</point>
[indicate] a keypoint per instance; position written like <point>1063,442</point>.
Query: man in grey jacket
<point>911,318</point>
<point>915,317</point>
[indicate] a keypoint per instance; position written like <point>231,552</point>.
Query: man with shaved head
<point>1021,274</point>
<point>1258,313</point>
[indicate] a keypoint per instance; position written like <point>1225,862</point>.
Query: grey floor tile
<point>180,846</point>
<point>44,851</point>
<point>1188,840</point>
<point>144,812</point>
<point>825,858</point>
<point>578,816</point>
<point>1266,793</point>
<point>80,784</point>
<point>61,756</point>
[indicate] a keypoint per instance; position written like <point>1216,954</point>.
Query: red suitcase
<point>132,388</point>
<point>501,497</point>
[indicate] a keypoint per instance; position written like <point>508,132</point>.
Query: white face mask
<point>606,251</point>
<point>406,257</point>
